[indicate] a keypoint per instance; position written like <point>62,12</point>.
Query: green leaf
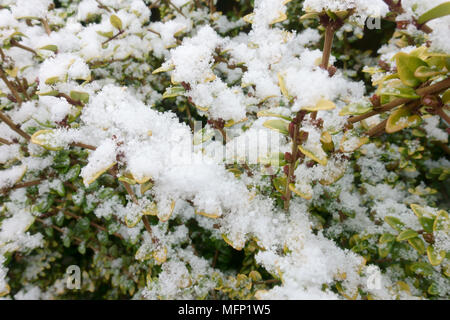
<point>427,224</point>
<point>108,34</point>
<point>441,221</point>
<point>51,80</point>
<point>384,249</point>
<point>266,113</point>
<point>406,66</point>
<point>422,268</point>
<point>280,184</point>
<point>398,89</point>
<point>278,125</point>
<point>417,244</point>
<point>310,15</point>
<point>173,92</point>
<point>425,72</point>
<point>433,289</point>
<point>82,248</point>
<point>116,22</point>
<point>50,47</point>
<point>437,12</point>
<point>401,119</point>
<point>356,108</point>
<point>435,257</point>
<point>387,237</point>
<point>80,96</point>
<point>446,97</point>
<point>394,222</point>
<point>407,234</point>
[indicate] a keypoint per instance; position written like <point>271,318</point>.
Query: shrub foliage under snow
<point>204,149</point>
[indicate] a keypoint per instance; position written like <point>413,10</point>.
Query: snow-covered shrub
<point>193,149</point>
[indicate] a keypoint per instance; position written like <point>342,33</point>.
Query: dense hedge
<point>212,149</point>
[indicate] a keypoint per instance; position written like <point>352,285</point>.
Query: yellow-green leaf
<point>278,125</point>
<point>173,92</point>
<point>407,234</point>
<point>280,184</point>
<point>318,155</point>
<point>116,22</point>
<point>406,66</point>
<point>417,244</point>
<point>322,104</point>
<point>51,80</point>
<point>446,97</point>
<point>356,108</point>
<point>441,221</point>
<point>401,119</point>
<point>80,96</point>
<point>307,196</point>
<point>425,72</point>
<point>164,69</point>
<point>45,139</point>
<point>387,237</point>
<point>394,222</point>
<point>266,113</point>
<point>50,47</point>
<point>437,12</point>
<point>435,257</point>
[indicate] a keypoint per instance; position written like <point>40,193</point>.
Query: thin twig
<point>26,184</point>
<point>15,43</point>
<point>4,141</point>
<point>328,44</point>
<point>14,126</point>
<point>433,89</point>
<point>443,115</point>
<point>379,128</point>
<point>10,86</point>
<point>83,145</point>
<point>113,37</point>
<point>44,22</point>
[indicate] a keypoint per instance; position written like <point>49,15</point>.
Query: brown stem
<point>130,191</point>
<point>82,145</point>
<point>379,128</point>
<point>288,194</point>
<point>102,6</point>
<point>224,134</point>
<point>270,281</point>
<point>26,184</point>
<point>113,37</point>
<point>70,100</point>
<point>23,88</point>
<point>15,43</point>
<point>175,7</point>
<point>440,111</point>
<point>443,146</point>
<point>155,32</point>
<point>216,256</point>
<point>328,44</point>
<point>13,126</point>
<point>433,89</point>
<point>384,108</point>
<point>10,86</point>
<point>4,141</point>
<point>149,229</point>
<point>44,22</point>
